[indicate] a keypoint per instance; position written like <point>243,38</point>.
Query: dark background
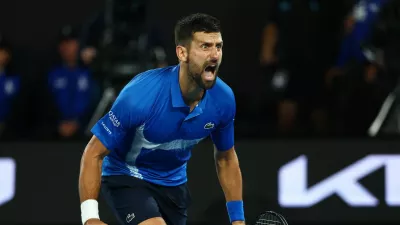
<point>32,29</point>
<point>33,26</point>
<point>47,171</point>
<point>46,190</point>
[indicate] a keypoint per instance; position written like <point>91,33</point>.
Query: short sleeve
<point>125,114</point>
<point>223,136</point>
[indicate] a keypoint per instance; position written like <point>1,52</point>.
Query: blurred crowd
<point>328,67</point>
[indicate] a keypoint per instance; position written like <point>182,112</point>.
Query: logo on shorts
<point>130,217</point>
<point>209,125</point>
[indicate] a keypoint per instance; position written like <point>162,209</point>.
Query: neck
<point>191,92</point>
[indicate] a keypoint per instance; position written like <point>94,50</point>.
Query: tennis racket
<point>270,218</point>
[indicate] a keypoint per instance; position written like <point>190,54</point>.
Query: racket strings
<point>271,218</point>
<point>267,222</point>
<point>267,219</point>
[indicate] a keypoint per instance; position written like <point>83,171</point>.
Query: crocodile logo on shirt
<point>209,126</point>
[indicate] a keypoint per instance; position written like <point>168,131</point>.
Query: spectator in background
<point>385,40</point>
<point>355,82</point>
<point>124,26</point>
<point>358,28</point>
<point>385,43</point>
<point>298,46</point>
<point>9,84</point>
<point>71,85</point>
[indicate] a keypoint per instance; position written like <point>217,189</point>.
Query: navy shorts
<point>134,200</point>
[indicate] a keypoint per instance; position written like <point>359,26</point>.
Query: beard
<point>205,76</point>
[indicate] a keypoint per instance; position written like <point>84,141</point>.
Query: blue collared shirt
<point>150,131</point>
<point>71,90</point>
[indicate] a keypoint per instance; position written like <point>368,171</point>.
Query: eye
<point>204,46</point>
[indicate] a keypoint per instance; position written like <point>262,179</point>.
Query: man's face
<point>204,58</point>
<point>69,50</point>
<point>4,57</point>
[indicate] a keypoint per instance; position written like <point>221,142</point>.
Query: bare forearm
<point>89,179</point>
<point>90,173</point>
<point>230,178</point>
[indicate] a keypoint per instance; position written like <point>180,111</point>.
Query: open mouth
<point>210,72</point>
<point>211,68</point>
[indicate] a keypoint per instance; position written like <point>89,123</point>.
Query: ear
<point>182,53</point>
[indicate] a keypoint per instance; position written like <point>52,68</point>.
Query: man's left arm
<point>227,163</point>
<point>230,178</point>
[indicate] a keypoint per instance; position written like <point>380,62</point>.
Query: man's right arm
<point>90,178</point>
<point>109,133</point>
<point>90,173</point>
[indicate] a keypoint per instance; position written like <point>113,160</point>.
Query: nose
<point>215,54</point>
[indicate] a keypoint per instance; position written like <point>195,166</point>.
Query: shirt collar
<point>176,93</point>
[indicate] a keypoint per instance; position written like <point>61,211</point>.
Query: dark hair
<point>198,22</point>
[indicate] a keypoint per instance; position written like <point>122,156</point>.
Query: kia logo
<point>294,190</point>
<point>7,179</point>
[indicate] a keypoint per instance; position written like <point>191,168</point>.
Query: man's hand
<point>238,223</point>
<point>88,54</point>
<point>94,222</point>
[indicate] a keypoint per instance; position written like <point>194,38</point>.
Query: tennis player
<point>138,154</point>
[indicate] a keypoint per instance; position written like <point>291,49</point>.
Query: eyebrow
<point>210,43</point>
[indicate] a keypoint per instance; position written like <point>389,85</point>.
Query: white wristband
<point>89,210</point>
